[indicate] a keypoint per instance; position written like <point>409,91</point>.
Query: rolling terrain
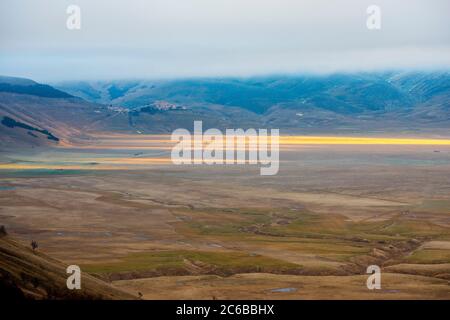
<point>226,232</point>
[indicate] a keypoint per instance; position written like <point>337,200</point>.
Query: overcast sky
<point>185,38</point>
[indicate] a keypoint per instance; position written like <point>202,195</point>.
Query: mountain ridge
<point>409,103</point>
<point>30,87</point>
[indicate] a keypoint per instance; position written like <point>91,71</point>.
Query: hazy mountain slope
<point>46,116</point>
<point>28,274</point>
<point>26,86</point>
<point>63,118</point>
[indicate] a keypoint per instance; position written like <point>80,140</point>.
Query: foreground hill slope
<point>28,274</point>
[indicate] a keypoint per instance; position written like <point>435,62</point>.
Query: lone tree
<point>34,245</point>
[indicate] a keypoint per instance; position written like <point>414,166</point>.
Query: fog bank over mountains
<point>199,38</point>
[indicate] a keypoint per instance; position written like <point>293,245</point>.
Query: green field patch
<point>186,262</point>
<point>439,206</point>
<point>222,222</point>
<point>429,256</point>
<point>331,249</point>
<point>215,229</point>
<point>414,228</point>
<point>12,173</point>
<point>332,227</point>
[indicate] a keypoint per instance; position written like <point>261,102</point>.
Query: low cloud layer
<point>171,38</point>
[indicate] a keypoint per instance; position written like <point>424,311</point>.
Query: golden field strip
<point>300,140</point>
<point>131,141</point>
<point>164,144</point>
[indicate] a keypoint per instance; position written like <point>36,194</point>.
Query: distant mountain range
<point>339,102</point>
<point>342,93</point>
<point>361,103</point>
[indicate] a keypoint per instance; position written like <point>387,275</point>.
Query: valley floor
<point>127,215</point>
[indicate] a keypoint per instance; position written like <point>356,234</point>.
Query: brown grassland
<point>225,232</point>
